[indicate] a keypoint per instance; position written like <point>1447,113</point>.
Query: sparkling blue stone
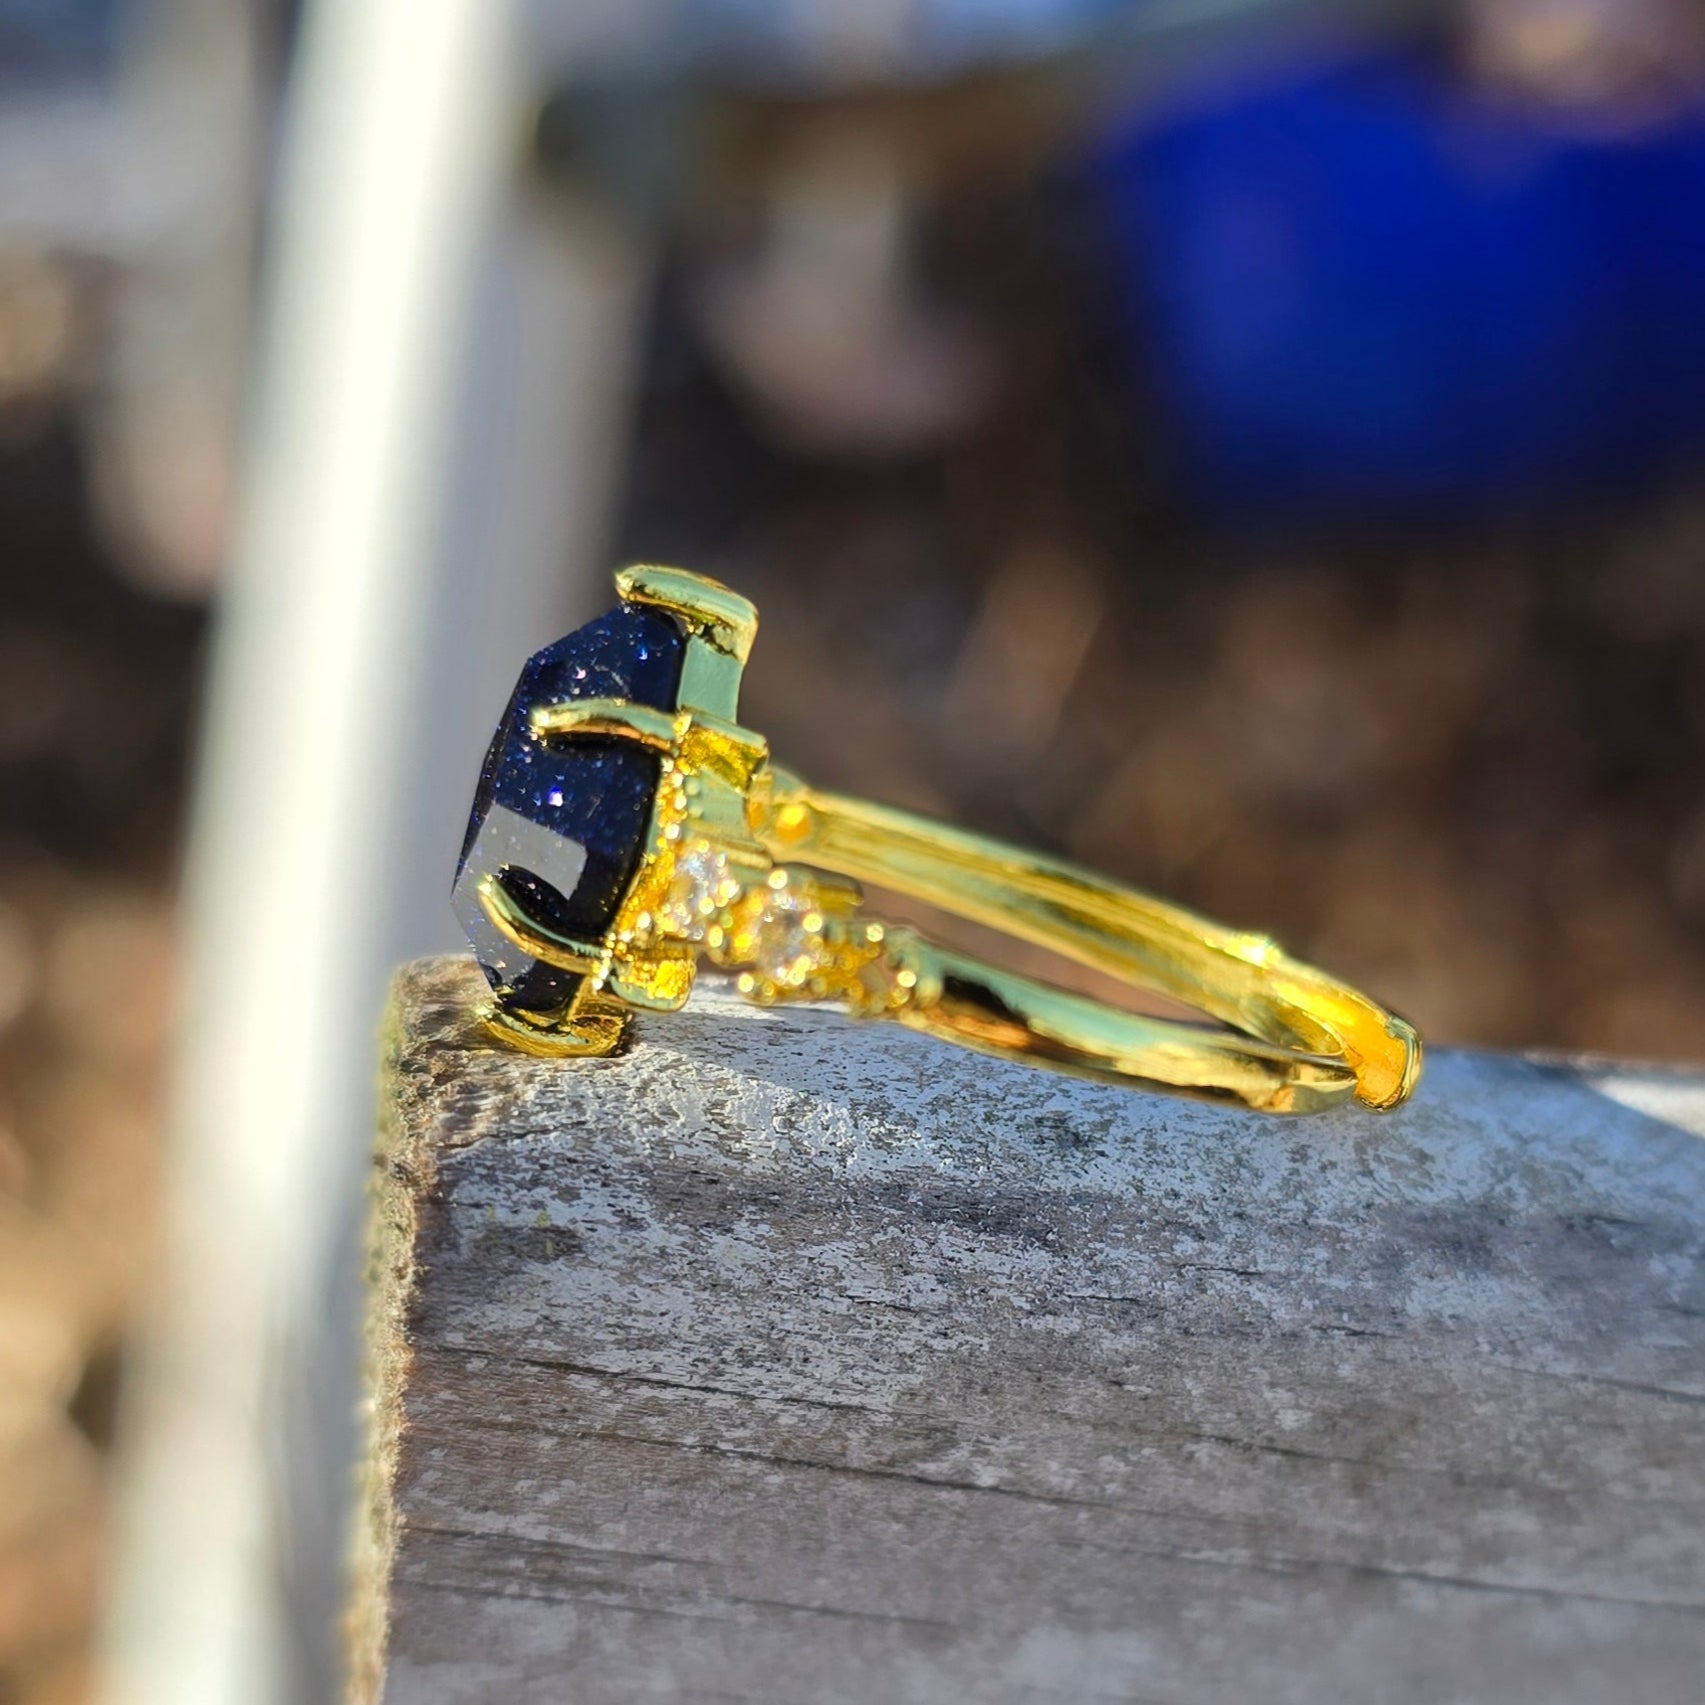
<point>563,826</point>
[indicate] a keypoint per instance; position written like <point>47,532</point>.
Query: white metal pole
<point>433,340</point>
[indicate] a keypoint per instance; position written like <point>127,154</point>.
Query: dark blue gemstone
<point>563,826</point>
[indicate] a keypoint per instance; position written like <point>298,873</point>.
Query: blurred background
<point>1254,447</point>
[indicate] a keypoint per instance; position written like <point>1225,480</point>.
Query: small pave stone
<point>788,947</point>
<point>703,883</point>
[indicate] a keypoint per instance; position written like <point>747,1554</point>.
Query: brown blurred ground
<point>96,687</point>
<point>1464,766</point>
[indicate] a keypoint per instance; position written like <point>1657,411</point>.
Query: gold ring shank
<point>1307,1041</point>
<point>1005,1013</point>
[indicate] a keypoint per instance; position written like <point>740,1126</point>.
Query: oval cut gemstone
<point>562,826</point>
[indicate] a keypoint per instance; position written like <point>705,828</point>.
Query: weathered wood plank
<point>786,1359</point>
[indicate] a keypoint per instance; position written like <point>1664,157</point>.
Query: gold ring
<point>626,826</point>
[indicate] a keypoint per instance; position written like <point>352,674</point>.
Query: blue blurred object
<point>1369,286</point>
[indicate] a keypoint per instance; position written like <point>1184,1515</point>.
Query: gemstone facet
<point>562,825</point>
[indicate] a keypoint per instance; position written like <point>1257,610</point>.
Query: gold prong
<point>628,981</point>
<point>727,620</point>
<point>588,1036</point>
<point>616,719</point>
<point>511,922</point>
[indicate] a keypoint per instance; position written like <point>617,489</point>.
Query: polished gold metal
<point>512,921</point>
<point>616,718</point>
<point>748,867</point>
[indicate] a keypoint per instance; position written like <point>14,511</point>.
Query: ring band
<point>626,826</point>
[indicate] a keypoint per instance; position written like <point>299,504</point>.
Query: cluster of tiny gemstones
<point>790,933</point>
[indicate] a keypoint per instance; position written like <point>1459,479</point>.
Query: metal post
<point>441,353</point>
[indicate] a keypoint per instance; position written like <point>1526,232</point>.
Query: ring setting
<point>626,827</point>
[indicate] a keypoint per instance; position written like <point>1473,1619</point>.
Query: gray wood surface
<point>785,1359</point>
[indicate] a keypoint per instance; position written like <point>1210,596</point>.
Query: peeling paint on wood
<point>787,1359</point>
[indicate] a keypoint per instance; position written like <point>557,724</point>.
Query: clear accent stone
<point>702,885</point>
<point>788,947</point>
